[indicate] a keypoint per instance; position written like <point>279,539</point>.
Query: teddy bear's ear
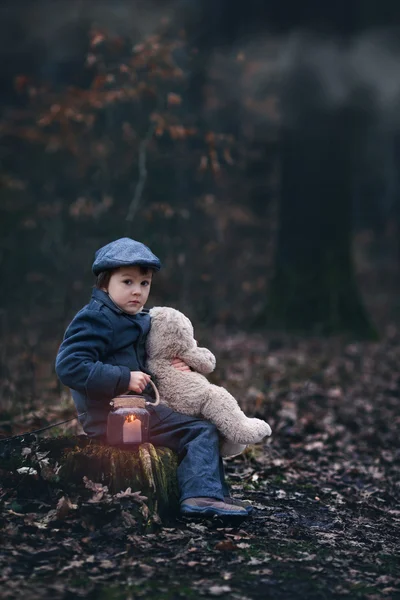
<point>161,313</point>
<point>156,311</point>
<point>166,313</point>
<point>169,335</point>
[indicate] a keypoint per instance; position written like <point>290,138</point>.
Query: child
<point>103,355</point>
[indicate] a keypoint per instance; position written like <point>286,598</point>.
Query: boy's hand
<point>180,365</point>
<point>138,381</point>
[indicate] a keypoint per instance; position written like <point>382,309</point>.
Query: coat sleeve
<point>79,360</point>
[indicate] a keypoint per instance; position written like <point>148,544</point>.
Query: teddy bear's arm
<point>200,359</point>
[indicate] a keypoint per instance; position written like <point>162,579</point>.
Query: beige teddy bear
<point>171,335</point>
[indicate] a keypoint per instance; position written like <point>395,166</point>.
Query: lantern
<point>128,420</point>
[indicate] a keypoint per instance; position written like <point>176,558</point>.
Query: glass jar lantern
<point>128,420</point>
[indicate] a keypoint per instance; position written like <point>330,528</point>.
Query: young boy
<point>103,355</point>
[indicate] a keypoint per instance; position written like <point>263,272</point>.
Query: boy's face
<point>129,288</point>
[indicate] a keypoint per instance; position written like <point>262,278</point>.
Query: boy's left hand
<point>180,365</point>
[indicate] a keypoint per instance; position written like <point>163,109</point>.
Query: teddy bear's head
<point>171,333</point>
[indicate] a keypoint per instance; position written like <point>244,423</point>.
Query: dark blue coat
<point>101,346</point>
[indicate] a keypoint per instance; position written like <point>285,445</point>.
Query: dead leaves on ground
<point>324,487</point>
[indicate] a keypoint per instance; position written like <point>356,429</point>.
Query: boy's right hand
<point>138,381</point>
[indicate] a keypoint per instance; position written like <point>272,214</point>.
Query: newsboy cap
<point>122,253</point>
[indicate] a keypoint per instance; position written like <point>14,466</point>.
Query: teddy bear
<point>172,335</point>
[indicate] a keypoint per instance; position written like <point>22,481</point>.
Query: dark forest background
<point>254,148</point>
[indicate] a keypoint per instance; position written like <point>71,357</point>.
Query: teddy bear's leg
<point>221,408</point>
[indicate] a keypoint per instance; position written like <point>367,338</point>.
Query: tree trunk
<point>149,470</point>
<point>314,287</point>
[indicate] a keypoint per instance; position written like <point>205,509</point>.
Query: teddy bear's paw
<point>251,431</point>
<point>228,449</point>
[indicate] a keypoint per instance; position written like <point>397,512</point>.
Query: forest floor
<point>325,490</point>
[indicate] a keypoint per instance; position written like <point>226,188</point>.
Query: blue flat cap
<point>124,252</point>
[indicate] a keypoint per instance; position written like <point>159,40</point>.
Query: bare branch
<point>134,205</point>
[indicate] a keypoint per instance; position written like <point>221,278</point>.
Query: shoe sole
<point>248,509</point>
<point>209,512</point>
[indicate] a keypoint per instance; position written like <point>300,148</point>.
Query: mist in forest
<point>362,68</point>
<point>366,64</point>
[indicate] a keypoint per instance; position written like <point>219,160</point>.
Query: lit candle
<point>132,430</point>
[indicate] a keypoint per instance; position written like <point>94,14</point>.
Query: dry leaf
<point>133,495</point>
<point>64,507</point>
<point>225,546</point>
<point>219,590</point>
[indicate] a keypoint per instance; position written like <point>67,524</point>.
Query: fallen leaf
<point>262,572</point>
<point>26,471</point>
<point>129,494</point>
<point>128,519</point>
<point>219,590</point>
<point>225,546</point>
<point>64,507</point>
<point>75,564</point>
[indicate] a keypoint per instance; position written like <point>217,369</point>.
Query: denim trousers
<point>196,442</point>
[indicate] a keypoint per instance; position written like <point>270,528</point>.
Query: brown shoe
<point>211,507</point>
<point>243,503</point>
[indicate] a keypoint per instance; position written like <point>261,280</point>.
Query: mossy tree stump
<point>147,469</point>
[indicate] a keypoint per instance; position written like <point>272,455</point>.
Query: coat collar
<point>104,298</point>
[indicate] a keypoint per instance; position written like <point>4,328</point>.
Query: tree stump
<point>66,461</point>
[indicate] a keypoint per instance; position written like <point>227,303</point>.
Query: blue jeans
<point>200,468</point>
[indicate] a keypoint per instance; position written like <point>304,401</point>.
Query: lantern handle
<point>156,394</point>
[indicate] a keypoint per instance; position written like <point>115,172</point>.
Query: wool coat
<point>101,346</point>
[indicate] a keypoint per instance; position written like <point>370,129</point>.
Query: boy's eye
<point>145,283</point>
<point>127,281</point>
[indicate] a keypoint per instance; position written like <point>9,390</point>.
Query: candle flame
<point>130,418</point>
